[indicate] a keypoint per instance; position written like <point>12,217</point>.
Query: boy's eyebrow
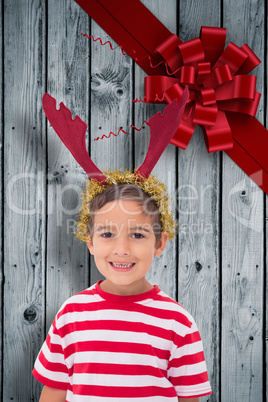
<point>99,228</point>
<point>140,228</point>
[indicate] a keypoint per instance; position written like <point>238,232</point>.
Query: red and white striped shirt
<point>103,347</point>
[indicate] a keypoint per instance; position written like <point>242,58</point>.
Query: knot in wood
<point>30,314</point>
<point>198,266</point>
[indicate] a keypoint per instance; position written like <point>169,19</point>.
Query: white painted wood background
<point>216,268</point>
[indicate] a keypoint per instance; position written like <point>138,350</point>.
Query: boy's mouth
<point>122,265</point>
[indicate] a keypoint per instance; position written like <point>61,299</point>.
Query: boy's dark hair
<point>126,192</point>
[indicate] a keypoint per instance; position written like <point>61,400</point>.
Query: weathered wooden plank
<point>1,186</point>
<point>265,313</point>
<point>242,241</point>
<point>68,81</point>
<point>163,270</point>
<point>199,223</point>
<point>25,202</point>
<point>111,108</point>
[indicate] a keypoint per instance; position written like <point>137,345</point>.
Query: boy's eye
<point>137,235</point>
<point>107,234</point>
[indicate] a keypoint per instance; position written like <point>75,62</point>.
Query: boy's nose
<point>121,247</point>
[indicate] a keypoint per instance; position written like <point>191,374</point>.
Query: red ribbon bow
<point>217,80</point>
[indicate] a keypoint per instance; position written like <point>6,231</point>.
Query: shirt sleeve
<point>187,369</point>
<point>50,366</point>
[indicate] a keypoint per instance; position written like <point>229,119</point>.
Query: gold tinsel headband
<point>162,129</point>
<point>152,186</point>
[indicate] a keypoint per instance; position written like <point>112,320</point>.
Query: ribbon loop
<point>205,115</point>
<point>219,135</point>
<point>213,91</point>
<point>219,76</point>
<point>168,49</point>
<point>174,92</point>
<point>213,41</point>
<point>203,71</point>
<point>208,96</point>
<point>233,56</point>
<point>187,75</point>
<point>185,130</point>
<point>250,63</point>
<point>247,107</point>
<point>192,52</point>
<point>241,87</point>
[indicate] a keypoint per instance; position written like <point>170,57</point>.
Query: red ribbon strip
<point>223,99</point>
<point>119,19</point>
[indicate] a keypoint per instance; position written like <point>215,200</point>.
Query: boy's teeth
<point>122,265</point>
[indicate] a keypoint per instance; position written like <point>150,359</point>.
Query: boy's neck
<point>126,290</point>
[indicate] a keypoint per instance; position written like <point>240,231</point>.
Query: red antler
<point>162,129</point>
<point>72,133</point>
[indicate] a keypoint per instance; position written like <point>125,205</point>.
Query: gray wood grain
<point>1,186</point>
<point>68,81</point>
<point>163,270</point>
<point>265,313</point>
<point>199,217</point>
<point>242,241</point>
<point>25,201</point>
<point>111,109</point>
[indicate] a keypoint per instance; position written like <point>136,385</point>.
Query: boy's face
<point>123,245</point>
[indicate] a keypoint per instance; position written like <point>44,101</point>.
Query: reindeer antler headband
<point>72,133</point>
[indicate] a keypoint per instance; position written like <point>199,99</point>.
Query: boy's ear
<point>90,245</point>
<point>161,244</point>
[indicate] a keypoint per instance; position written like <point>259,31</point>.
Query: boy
<point>123,339</point>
